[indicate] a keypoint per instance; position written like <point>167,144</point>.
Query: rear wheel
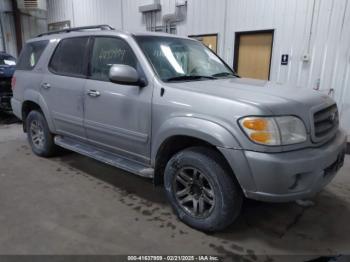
<point>202,190</point>
<point>39,136</point>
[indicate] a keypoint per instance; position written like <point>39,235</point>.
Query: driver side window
<point>108,51</point>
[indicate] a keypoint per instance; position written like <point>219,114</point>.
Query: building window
<point>210,41</point>
<point>253,52</point>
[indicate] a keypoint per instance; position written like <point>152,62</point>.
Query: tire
<point>213,189</point>
<point>39,136</point>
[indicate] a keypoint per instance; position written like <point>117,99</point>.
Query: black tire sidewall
<point>48,148</point>
<point>227,194</point>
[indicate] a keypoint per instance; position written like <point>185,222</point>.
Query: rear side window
<point>31,54</point>
<point>70,57</point>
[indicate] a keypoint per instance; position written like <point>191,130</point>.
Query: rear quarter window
<point>31,54</point>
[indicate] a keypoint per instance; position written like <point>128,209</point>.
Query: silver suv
<point>168,108</point>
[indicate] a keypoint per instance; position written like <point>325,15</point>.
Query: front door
<point>253,54</point>
<point>63,87</point>
<point>117,117</point>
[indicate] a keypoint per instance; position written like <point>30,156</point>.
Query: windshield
<point>176,59</point>
<point>7,60</point>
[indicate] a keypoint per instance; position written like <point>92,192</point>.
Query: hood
<point>275,98</point>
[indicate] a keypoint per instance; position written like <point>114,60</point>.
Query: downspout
<point>311,27</point>
<point>224,54</point>
<point>73,14</point>
<point>2,33</point>
<point>122,13</point>
<point>306,56</point>
<point>18,25</point>
<point>175,17</point>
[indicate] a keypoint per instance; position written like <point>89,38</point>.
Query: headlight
<point>274,131</point>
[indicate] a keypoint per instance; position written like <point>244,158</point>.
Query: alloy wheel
<point>194,192</point>
<point>37,134</point>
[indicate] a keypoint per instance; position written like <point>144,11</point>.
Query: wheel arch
<point>181,133</point>
<point>33,100</point>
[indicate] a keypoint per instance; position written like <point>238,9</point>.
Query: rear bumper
<point>288,176</point>
<point>5,101</point>
<point>5,91</point>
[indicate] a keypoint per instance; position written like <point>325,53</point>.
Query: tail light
<point>13,83</point>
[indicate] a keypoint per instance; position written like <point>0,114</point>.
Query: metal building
<point>7,28</point>
<point>32,20</point>
<point>296,43</point>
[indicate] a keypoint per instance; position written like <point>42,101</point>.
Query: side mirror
<point>125,75</point>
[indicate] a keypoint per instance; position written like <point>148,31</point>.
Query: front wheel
<point>201,189</point>
<point>39,136</point>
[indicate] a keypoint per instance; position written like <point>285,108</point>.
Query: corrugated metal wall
<point>89,12</point>
<point>132,18</point>
<point>61,10</point>
<point>92,12</point>
<point>8,28</point>
<point>32,24</point>
<point>318,28</point>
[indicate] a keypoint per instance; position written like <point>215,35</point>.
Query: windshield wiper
<point>189,78</point>
<point>224,74</point>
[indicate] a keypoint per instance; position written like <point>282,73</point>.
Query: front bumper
<point>287,176</point>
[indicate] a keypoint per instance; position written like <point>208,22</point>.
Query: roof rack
<point>75,29</point>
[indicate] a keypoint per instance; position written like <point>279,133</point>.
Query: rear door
<point>118,117</point>
<point>63,86</point>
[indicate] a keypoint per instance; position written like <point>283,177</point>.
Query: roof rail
<point>75,29</point>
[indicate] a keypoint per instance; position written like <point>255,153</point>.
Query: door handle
<point>93,93</point>
<point>46,85</point>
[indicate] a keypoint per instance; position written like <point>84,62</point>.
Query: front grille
<point>326,122</point>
